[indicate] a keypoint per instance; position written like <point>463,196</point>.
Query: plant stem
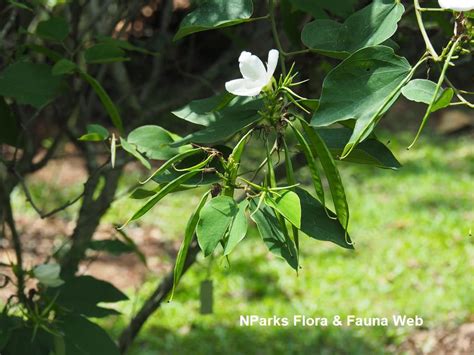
<point>438,87</point>
<point>419,19</point>
<point>276,37</point>
<point>458,93</point>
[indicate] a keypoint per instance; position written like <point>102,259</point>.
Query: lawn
<point>414,256</point>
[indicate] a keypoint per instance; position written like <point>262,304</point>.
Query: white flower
<point>457,5</point>
<point>255,76</point>
<point>48,274</point>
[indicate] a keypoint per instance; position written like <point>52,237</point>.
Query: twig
<point>276,37</point>
<point>426,38</point>
<point>457,92</point>
<point>29,198</point>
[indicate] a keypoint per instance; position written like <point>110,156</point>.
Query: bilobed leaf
<point>83,337</point>
<point>362,88</point>
<point>212,14</point>
<point>63,67</point>
<point>55,29</point>
<point>95,133</point>
<point>28,340</point>
<point>220,130</point>
<point>368,27</point>
<point>238,228</point>
<point>332,173</point>
<point>105,99</point>
<point>28,83</point>
<point>371,151</point>
<point>207,111</point>
<point>111,246</point>
<point>126,45</point>
<point>82,294</point>
<point>315,8</point>
<point>214,221</point>
<point>287,204</point>
<point>316,224</point>
<point>132,149</point>
<point>422,90</point>
<point>269,229</point>
<point>153,141</point>
<point>104,53</point>
<point>188,237</point>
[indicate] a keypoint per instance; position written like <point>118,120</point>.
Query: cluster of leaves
<point>355,95</point>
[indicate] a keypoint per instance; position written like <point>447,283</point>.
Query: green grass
<point>414,256</point>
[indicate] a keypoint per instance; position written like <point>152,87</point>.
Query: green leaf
<point>160,194</point>
<point>123,44</point>
<point>311,161</point>
<point>47,52</point>
<point>111,246</point>
<point>371,151</point>
<point>140,194</point>
<point>422,90</point>
<point>55,29</point>
<point>105,99</point>
<point>316,224</point>
<point>269,228</point>
<point>336,187</point>
<point>214,221</point>
<point>63,67</point>
<point>288,205</point>
<point>132,149</point>
<point>82,294</point>
<point>220,130</point>
<point>223,116</point>
<point>82,337</point>
<point>188,237</point>
<point>362,88</point>
<point>340,8</point>
<point>104,53</point>
<point>10,132</point>
<point>238,228</point>
<point>368,27</point>
<point>95,133</point>
<point>212,14</point>
<point>207,111</point>
<point>19,5</point>
<point>25,340</point>
<point>28,83</point>
<point>153,141</point>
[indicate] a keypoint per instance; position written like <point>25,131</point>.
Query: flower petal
<point>457,5</point>
<point>243,87</point>
<point>272,63</point>
<point>251,67</point>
